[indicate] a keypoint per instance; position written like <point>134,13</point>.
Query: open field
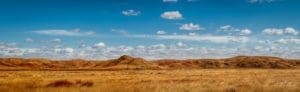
<point>184,80</point>
<point>129,74</point>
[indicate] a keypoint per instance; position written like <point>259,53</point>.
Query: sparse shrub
<point>61,83</point>
<point>230,89</point>
<point>82,83</point>
<point>67,83</point>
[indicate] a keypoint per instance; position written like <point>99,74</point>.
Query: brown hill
<point>234,62</point>
<point>128,62</point>
<point>260,62</point>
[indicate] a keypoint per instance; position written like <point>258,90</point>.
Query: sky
<point>152,29</point>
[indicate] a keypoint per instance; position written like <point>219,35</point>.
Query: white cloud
<point>131,12</point>
<point>245,32</point>
<point>288,41</point>
<point>261,1</point>
<point>64,50</point>
<point>99,45</point>
<point>30,40</point>
<point>192,34</point>
<point>277,31</point>
<point>263,41</point>
<point>234,31</point>
<point>201,38</point>
<point>161,32</point>
<point>290,30</point>
<point>174,33</point>
<point>125,49</point>
<point>157,51</point>
<point>192,0</point>
<point>120,31</point>
<point>190,27</point>
<point>240,39</point>
<point>56,40</point>
<point>172,15</point>
<point>272,31</point>
<point>69,50</point>
<point>140,47</point>
<point>180,44</point>
<point>10,50</point>
<point>82,45</point>
<point>170,1</point>
<point>228,28</point>
<point>157,47</point>
<point>209,38</point>
<point>61,32</point>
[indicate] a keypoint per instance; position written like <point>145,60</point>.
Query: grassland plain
<point>129,74</point>
<point>179,80</point>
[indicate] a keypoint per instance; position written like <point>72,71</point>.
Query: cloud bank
<point>62,32</point>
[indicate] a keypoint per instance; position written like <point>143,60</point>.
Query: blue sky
<point>102,29</point>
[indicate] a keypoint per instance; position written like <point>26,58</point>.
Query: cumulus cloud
<point>190,27</point>
<point>245,32</point>
<point>61,32</point>
<point>170,1</point>
<point>290,30</point>
<point>278,31</point>
<point>131,12</point>
<point>69,50</point>
<point>99,45</point>
<point>235,31</point>
<point>161,32</point>
<point>273,31</point>
<point>171,15</point>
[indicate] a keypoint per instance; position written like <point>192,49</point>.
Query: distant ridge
<point>126,62</point>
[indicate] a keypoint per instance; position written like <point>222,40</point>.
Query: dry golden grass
<point>129,74</point>
<point>185,80</point>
